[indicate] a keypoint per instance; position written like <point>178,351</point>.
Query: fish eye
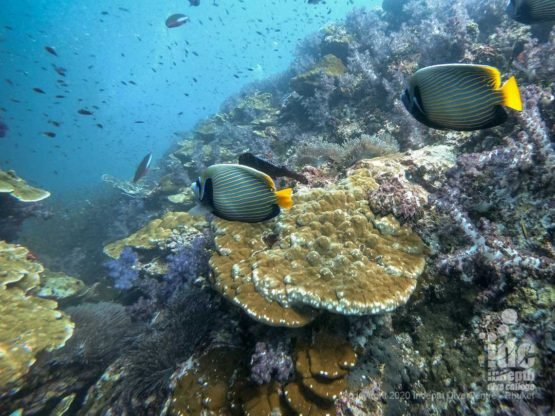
<point>195,186</point>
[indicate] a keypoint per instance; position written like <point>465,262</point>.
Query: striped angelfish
<point>460,96</point>
<point>240,193</point>
<point>531,11</point>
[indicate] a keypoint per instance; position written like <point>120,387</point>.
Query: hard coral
<point>322,366</point>
<point>29,324</point>
<point>158,233</point>
<point>217,383</point>
<point>331,253</point>
<point>18,188</point>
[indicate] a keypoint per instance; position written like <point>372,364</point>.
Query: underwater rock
<point>186,197</point>
<point>307,82</point>
<point>58,286</point>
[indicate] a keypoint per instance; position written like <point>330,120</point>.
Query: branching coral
<point>511,185</point>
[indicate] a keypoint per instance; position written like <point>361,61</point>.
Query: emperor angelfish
<point>531,11</point>
<point>460,96</point>
<point>239,193</point>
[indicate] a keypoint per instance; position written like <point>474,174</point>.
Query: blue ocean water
<point>142,81</point>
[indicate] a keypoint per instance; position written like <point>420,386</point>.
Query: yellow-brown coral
<point>321,370</point>
<point>18,188</point>
<point>29,324</point>
<point>328,252</point>
<point>157,232</point>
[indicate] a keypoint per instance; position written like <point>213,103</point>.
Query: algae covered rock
<point>29,324</point>
<point>58,286</point>
<point>306,83</point>
<point>18,188</point>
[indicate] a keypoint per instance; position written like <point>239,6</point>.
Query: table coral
<point>322,366</point>
<point>18,188</point>
<point>157,233</point>
<point>328,252</point>
<point>29,324</point>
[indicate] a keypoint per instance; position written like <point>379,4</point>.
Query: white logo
<point>509,360</point>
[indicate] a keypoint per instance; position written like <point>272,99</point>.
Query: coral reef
<point>139,380</point>
<point>460,223</point>
<point>321,367</point>
<point>29,324</point>
<point>330,252</point>
<point>159,233</point>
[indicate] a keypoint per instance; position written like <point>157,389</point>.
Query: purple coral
<point>271,362</point>
<point>189,261</point>
<point>123,270</point>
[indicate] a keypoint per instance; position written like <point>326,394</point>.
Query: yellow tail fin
<point>511,94</point>
<point>284,199</point>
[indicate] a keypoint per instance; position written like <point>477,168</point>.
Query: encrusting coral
<point>18,188</point>
<point>329,252</point>
<point>29,324</point>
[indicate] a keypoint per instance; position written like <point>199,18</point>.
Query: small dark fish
<point>60,71</point>
<point>239,193</point>
<point>85,112</point>
<point>38,90</point>
<point>248,159</point>
<point>176,20</point>
<point>3,129</point>
<point>460,96</point>
<point>60,96</point>
<point>142,169</point>
<point>139,121</point>
<point>54,123</point>
<point>531,11</point>
<point>50,134</point>
<point>51,50</point>
<point>194,2</point>
<point>100,126</point>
